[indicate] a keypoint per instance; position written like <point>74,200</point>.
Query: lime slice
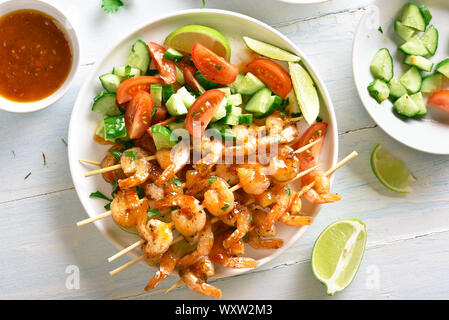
<point>337,253</point>
<point>270,51</point>
<point>305,92</point>
<point>390,171</point>
<point>183,39</point>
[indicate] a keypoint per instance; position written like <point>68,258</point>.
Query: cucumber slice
<point>379,90</point>
<point>425,14</point>
<point>260,103</point>
<point>221,111</point>
<point>114,127</point>
<point>414,47</point>
<point>106,103</point>
<point>204,82</point>
<point>419,101</point>
<point>167,92</point>
<point>156,94</point>
<point>430,40</point>
<point>397,90</point>
<point>249,85</point>
<point>178,124</point>
<point>175,105</point>
<point>110,82</point>
<point>139,57</point>
<point>232,115</point>
<point>443,67</point>
<point>224,130</point>
<point>419,62</point>
<point>126,72</point>
<point>270,51</point>
<point>403,31</point>
<point>405,106</point>
<point>412,17</point>
<point>172,54</point>
<point>246,118</point>
<point>233,86</point>
<point>186,96</point>
<point>161,136</point>
<point>432,83</point>
<point>411,80</point>
<point>235,99</point>
<point>382,65</point>
<point>179,76</point>
<point>305,92</point>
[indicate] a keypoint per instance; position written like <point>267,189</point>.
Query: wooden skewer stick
<point>89,220</point>
<point>96,163</point>
<point>125,266</point>
<point>307,146</point>
<point>112,168</point>
<point>176,284</point>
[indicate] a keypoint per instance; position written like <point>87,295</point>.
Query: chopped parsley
<point>287,191</point>
<point>153,212</point>
<point>114,187</point>
<point>319,119</point>
<point>128,145</point>
<point>111,6</point>
<point>140,192</point>
<point>117,154</point>
<point>218,67</point>
<point>380,29</point>
<point>212,179</point>
<point>225,206</point>
<point>99,195</point>
<point>132,155</point>
<point>245,236</point>
<point>318,133</point>
<point>175,208</point>
<point>108,206</point>
<point>177,181</point>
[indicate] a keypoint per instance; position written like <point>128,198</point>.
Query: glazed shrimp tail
<point>281,206</point>
<point>167,265</point>
<point>178,157</point>
<point>223,257</point>
<point>243,226</point>
<point>205,243</point>
<point>194,283</point>
<point>256,242</point>
<point>135,166</point>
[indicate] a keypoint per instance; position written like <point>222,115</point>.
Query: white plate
<point>421,134</point>
<point>303,1</point>
<point>83,122</point>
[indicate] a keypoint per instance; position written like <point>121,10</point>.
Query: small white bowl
<point>23,107</point>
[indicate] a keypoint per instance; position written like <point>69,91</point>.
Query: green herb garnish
<point>111,6</point>
<point>287,191</point>
<point>114,187</point>
<point>117,154</point>
<point>175,208</point>
<point>132,155</point>
<point>140,192</point>
<point>380,29</point>
<point>177,181</point>
<point>218,67</point>
<point>212,179</point>
<point>225,206</point>
<point>319,119</point>
<point>153,212</point>
<point>99,195</point>
<point>108,206</point>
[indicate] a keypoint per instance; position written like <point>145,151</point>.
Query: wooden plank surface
<point>407,254</point>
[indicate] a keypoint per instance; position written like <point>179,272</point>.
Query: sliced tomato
<point>202,111</point>
<point>138,114</point>
<point>159,115</point>
<point>440,100</point>
<point>190,80</point>
<point>310,157</point>
<point>166,68</point>
<point>130,86</point>
<point>212,66</point>
<point>272,74</point>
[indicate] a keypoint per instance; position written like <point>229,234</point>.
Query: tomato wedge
<point>272,74</point>
<point>130,86</point>
<point>166,68</point>
<point>212,66</point>
<point>202,111</point>
<point>138,114</point>
<point>310,157</point>
<point>190,80</point>
<point>440,100</point>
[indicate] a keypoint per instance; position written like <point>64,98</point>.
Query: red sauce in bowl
<point>35,56</point>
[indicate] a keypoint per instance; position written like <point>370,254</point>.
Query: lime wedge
<point>183,39</point>
<point>337,253</point>
<point>305,92</point>
<point>391,172</point>
<point>270,51</point>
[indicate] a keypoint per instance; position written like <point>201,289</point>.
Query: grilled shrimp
<point>172,161</point>
<point>157,235</point>
<point>253,178</point>
<point>285,166</point>
<point>281,206</point>
<point>243,225</point>
<point>320,192</point>
<point>255,241</point>
<point>125,208</point>
<point>258,220</point>
<point>166,267</point>
<point>246,140</point>
<point>110,160</point>
<point>195,278</point>
<point>228,173</point>
<point>283,129</point>
<point>196,183</point>
<point>154,191</point>
<point>135,167</point>
<point>190,218</point>
<point>212,151</point>
<point>205,243</point>
<point>218,200</point>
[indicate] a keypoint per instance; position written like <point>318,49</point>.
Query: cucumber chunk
<point>443,67</point>
<point>162,137</point>
<point>186,96</point>
<point>156,94</point>
<point>114,127</point>
<point>175,105</point>
<point>425,14</point>
<point>178,124</point>
<point>414,47</point>
<point>204,82</point>
<point>412,17</point>
<point>382,65</point>
<point>99,131</point>
<point>139,57</point>
<point>430,40</point>
<point>179,76</point>
<point>419,101</point>
<point>246,118</point>
<point>167,91</point>
<point>172,54</point>
<point>406,106</point>
<point>432,83</point>
<point>379,90</point>
<point>397,90</point>
<point>411,80</point>
<point>232,115</point>
<point>106,103</point>
<point>263,103</point>
<point>233,86</point>
<point>226,90</point>
<point>110,82</point>
<point>235,99</point>
<point>224,130</point>
<point>249,85</point>
<point>404,32</point>
<point>126,71</point>
<point>221,111</point>
<point>419,62</point>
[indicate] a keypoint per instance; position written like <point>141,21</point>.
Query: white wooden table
<point>407,253</point>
